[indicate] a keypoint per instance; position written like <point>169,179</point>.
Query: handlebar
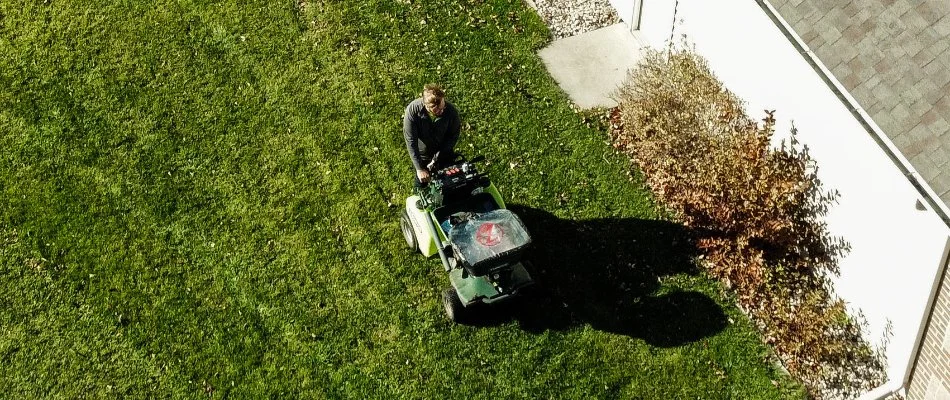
<point>461,173</point>
<point>459,165</point>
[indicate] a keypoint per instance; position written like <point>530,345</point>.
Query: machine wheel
<point>453,306</point>
<point>405,225</point>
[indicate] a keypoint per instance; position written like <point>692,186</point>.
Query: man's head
<point>433,97</point>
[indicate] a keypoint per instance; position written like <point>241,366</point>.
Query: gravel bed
<point>567,18</point>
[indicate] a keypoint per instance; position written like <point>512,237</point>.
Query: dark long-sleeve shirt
<point>425,137</point>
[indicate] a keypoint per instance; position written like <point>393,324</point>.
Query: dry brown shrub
<point>757,210</point>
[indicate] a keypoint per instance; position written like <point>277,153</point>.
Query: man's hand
<point>423,175</point>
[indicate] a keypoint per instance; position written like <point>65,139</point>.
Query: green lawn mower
<point>460,216</point>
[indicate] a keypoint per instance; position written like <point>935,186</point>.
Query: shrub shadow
<point>605,273</point>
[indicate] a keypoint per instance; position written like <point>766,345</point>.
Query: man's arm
<point>452,135</point>
<point>412,139</point>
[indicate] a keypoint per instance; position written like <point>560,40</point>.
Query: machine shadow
<point>606,273</point>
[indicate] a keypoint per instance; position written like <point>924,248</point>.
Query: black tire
<point>529,298</point>
<point>530,292</point>
<point>454,308</point>
<point>405,225</point>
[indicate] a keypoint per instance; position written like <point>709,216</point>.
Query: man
<point>431,128</point>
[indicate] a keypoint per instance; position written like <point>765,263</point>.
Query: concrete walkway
<point>591,66</point>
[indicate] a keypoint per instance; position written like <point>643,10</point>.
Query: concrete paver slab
<point>591,66</point>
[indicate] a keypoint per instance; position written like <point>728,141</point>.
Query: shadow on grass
<point>606,273</point>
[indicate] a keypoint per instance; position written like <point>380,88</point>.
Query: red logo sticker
<point>489,234</point>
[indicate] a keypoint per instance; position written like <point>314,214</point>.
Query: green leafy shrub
<point>757,210</point>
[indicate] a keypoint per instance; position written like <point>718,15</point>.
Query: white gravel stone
<point>567,18</point>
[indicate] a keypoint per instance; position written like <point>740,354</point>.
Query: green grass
<point>197,199</point>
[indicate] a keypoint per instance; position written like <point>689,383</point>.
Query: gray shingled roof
<point>893,56</point>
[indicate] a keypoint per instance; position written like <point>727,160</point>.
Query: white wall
<point>628,12</point>
<point>896,249</point>
<point>655,21</point>
<point>624,9</point>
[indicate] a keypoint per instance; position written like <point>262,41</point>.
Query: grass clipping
<point>756,210</point>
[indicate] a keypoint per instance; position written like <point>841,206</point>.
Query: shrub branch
<point>758,211</point>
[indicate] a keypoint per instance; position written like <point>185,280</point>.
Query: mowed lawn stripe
<point>202,198</point>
